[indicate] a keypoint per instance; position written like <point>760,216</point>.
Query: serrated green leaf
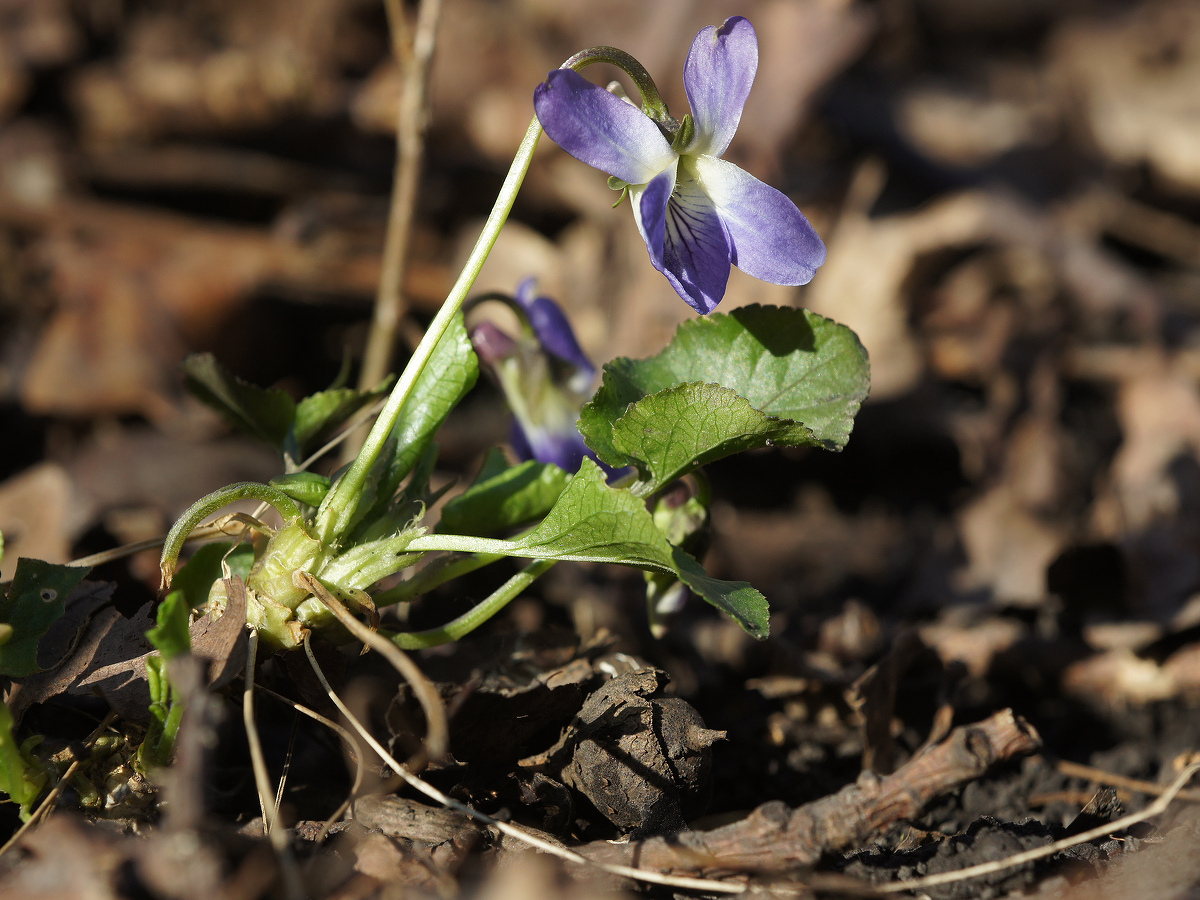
<point>674,431</point>
<point>450,373</point>
<point>593,522</point>
<point>265,413</point>
<point>445,380</point>
<point>36,599</point>
<point>320,414</point>
<point>505,500</point>
<point>788,376</point>
<point>740,600</point>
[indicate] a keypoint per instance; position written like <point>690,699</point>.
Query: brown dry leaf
<point>117,669</point>
<point>1136,75</point>
<point>870,298</point>
<point>958,638</point>
<point>134,286</point>
<point>255,64</point>
<point>142,469</point>
<point>808,550</point>
<point>69,647</point>
<point>71,860</point>
<point>960,127</point>
<point>223,641</point>
<point>34,514</point>
<point>1008,547</point>
<point>1121,678</point>
<point>1158,406</point>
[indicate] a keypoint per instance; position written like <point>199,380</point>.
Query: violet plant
<point>755,377</point>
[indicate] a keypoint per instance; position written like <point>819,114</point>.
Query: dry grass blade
<point>232,525</point>
<point>697,884</point>
<point>1078,770</point>
<point>437,736</point>
<point>1158,806</point>
<point>278,836</point>
<point>356,751</point>
<point>47,805</point>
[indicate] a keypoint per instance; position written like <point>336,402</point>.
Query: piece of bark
<point>640,757</point>
<point>774,838</point>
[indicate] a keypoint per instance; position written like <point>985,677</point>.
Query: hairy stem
<point>337,511</point>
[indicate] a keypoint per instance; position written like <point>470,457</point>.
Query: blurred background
<point>1010,194</point>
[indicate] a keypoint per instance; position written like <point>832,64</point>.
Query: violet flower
<point>697,213</point>
<point>545,376</point>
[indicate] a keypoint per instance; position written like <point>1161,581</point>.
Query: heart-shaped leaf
<point>730,382</point>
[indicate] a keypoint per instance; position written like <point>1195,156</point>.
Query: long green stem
<point>477,615</point>
<point>434,575</point>
<point>340,504</point>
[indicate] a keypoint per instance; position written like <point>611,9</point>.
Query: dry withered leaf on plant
<point>222,642</point>
<point>67,648</point>
<point>1136,74</point>
<point>34,516</point>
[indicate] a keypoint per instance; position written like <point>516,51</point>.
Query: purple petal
<point>718,74</point>
<point>563,450</point>
<point>686,239</point>
<point>599,128</point>
<point>771,238</point>
<point>553,330</point>
<point>492,344</point>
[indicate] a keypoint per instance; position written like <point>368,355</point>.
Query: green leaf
<point>592,522</point>
<point>320,414</point>
<point>170,636</point>
<point>196,578</point>
<point>445,380</point>
<point>308,488</point>
<point>505,500</point>
<point>36,599</point>
<point>726,383</point>
<point>21,777</point>
<point>265,413</point>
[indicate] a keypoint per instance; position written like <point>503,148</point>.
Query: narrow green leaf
<point>320,414</point>
<point>451,372</point>
<point>265,413</point>
<point>36,599</point>
<point>505,500</point>
<point>20,776</point>
<point>170,636</point>
<point>445,380</point>
<point>592,522</point>
<point>788,376</point>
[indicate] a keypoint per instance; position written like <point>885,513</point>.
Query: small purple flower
<point>697,213</point>
<point>545,376</point>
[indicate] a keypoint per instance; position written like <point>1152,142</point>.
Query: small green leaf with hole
<point>35,600</point>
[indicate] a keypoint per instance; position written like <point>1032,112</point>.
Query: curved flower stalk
<point>545,376</point>
<point>697,213</point>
